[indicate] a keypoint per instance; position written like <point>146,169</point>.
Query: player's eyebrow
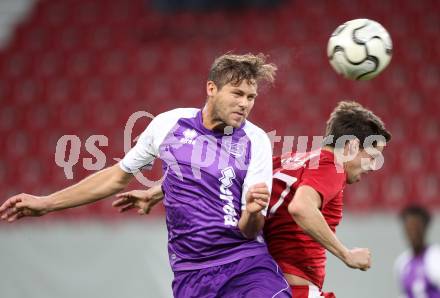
<point>241,92</point>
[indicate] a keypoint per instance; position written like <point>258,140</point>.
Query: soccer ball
<point>359,49</point>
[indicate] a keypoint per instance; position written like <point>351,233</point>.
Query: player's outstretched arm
<point>93,188</point>
<point>305,210</point>
<point>252,220</point>
<point>144,200</point>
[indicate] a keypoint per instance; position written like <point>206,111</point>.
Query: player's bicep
<point>305,197</point>
<point>121,175</point>
<point>143,154</point>
<point>137,159</point>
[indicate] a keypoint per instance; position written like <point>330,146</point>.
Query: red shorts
<point>309,292</point>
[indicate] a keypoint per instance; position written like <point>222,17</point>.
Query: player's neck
<point>209,120</point>
<point>332,150</point>
<point>418,250</point>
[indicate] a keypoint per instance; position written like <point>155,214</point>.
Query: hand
<point>144,200</point>
<point>257,198</point>
<point>358,258</point>
<point>23,205</point>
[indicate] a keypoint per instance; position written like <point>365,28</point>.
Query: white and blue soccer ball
<point>360,49</point>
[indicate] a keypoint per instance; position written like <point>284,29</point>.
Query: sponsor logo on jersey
<point>230,215</point>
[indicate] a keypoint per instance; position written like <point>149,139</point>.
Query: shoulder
<point>328,167</point>
<point>176,114</point>
<point>433,254</point>
<point>160,126</point>
<point>434,249</point>
<point>326,158</point>
<point>432,259</point>
<point>320,161</point>
<point>402,260</point>
<point>260,143</point>
<point>255,133</point>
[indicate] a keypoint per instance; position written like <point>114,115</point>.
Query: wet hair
<point>416,210</point>
<point>230,68</point>
<point>351,118</point>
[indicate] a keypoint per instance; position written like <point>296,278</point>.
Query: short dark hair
<point>230,68</point>
<point>416,210</point>
<point>351,118</point>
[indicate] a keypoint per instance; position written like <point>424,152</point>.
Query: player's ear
<point>353,146</point>
<point>211,88</point>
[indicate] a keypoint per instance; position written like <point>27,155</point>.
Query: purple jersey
<point>207,176</point>
<point>419,276</point>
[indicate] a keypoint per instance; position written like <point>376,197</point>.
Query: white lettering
<point>73,157</point>
<point>226,195</point>
<point>230,221</point>
<point>94,150</point>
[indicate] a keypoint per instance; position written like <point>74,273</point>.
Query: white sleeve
<point>432,263</point>
<point>146,150</point>
<point>143,154</point>
<point>260,166</point>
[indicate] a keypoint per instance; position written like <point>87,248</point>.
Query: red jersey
<point>296,252</point>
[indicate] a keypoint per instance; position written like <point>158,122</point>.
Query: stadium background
<point>77,67</point>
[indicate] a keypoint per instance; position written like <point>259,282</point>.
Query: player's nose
<point>243,102</point>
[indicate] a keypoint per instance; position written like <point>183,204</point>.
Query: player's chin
<point>236,123</point>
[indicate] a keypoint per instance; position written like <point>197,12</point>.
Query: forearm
<point>91,189</point>
<point>157,193</point>
<point>311,220</point>
<point>250,225</point>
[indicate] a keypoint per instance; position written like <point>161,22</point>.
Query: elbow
<point>120,184</point>
<point>252,233</point>
<point>246,231</point>
<point>251,229</point>
<point>249,236</point>
<point>119,187</point>
<point>295,210</point>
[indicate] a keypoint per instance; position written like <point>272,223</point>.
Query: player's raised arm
<point>257,186</point>
<point>305,210</point>
<point>93,188</point>
<point>252,220</point>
